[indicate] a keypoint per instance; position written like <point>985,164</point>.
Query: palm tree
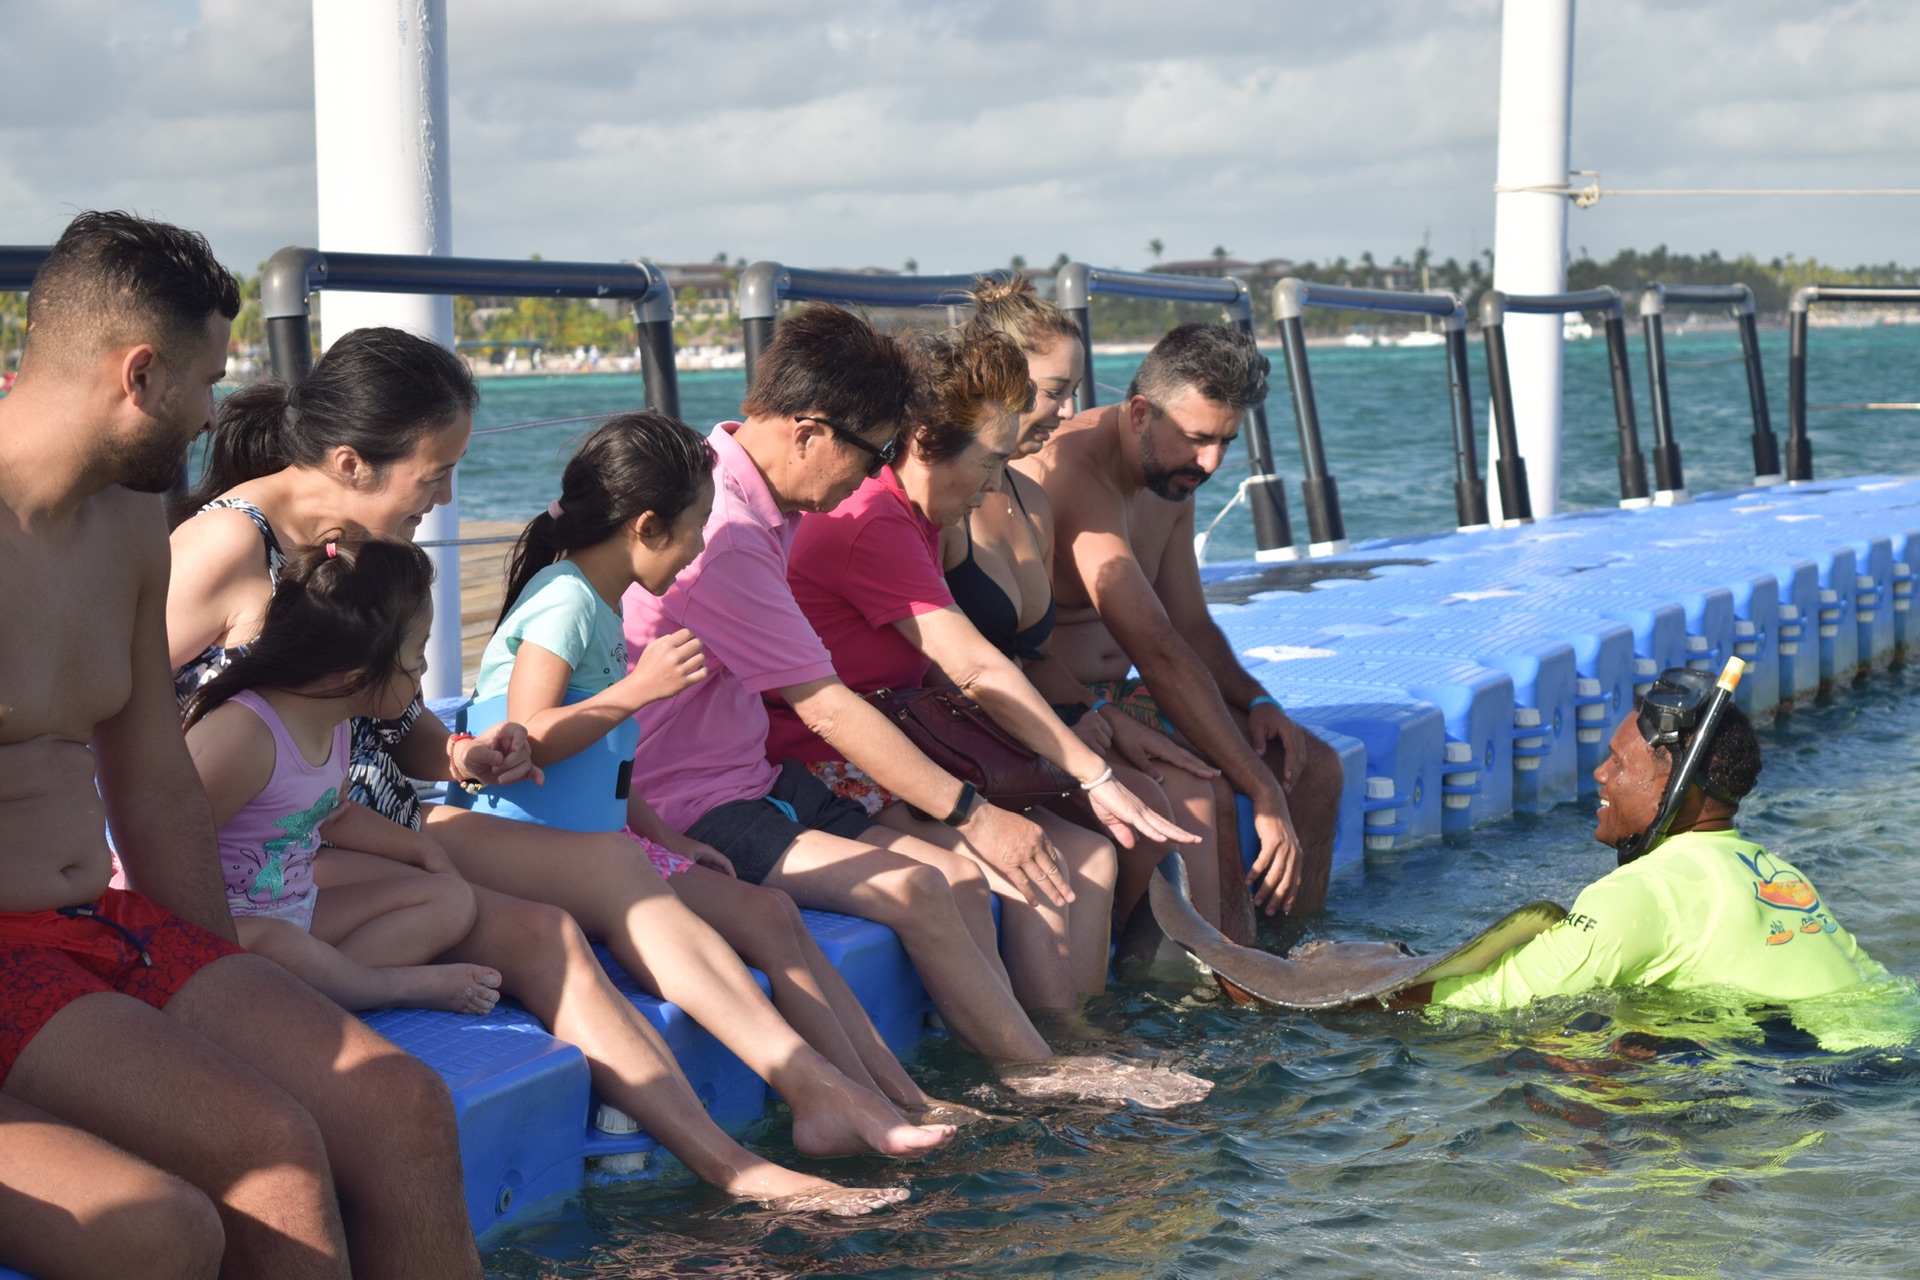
<point>1219,253</point>
<point>1156,247</point>
<point>911,267</point>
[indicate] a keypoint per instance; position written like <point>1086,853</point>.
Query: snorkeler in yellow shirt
<point>1702,907</point>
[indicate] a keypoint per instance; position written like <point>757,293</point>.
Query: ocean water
<point>1614,1135</point>
<point>1383,411</point>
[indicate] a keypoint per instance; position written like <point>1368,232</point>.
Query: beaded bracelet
<point>471,786</point>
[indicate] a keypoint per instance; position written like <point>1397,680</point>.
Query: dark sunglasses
<point>1672,707</point>
<point>878,455</point>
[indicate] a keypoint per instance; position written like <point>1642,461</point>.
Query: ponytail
<point>634,463</point>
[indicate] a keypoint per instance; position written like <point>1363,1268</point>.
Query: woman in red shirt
<point>868,576</point>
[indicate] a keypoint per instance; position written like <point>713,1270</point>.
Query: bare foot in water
<point>939,1111</point>
<point>1106,1079</point>
<point>785,1191</point>
<point>457,988</point>
<point>839,1118</point>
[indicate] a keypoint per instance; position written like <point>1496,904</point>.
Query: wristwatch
<point>962,805</point>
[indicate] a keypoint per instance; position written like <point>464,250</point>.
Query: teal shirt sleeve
<point>558,616</point>
<point>1616,929</point>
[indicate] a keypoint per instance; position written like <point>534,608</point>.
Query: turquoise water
<point>1368,1144</point>
<point>1384,415</point>
<point>1616,1135</point>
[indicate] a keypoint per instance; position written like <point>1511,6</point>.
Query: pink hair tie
<point>553,509</point>
<point>333,549</point>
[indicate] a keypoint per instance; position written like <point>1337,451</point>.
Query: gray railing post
<point>1670,485</point>
<point>1469,490</point>
<point>1266,491</point>
<point>287,283</point>
<point>1633,464</point>
<point>1766,447</point>
<point>1516,504</point>
<point>1071,295</point>
<point>1799,448</point>
<point>759,293</point>
<point>653,324</point>
<point>19,264</point>
<point>1325,529</point>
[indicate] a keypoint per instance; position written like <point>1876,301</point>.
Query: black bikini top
<point>991,610</point>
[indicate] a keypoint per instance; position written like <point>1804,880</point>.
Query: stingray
<point>1323,974</point>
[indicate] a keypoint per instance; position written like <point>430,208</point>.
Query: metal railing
<point>18,264</point>
<point>1291,298</point>
<point>294,274</point>
<point>1494,307</point>
<point>765,285</point>
<point>1653,305</point>
<point>1799,448</point>
<point>1263,490</point>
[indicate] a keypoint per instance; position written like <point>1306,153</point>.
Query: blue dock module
<point>879,971</point>
<point>1475,702</point>
<point>1659,627</point>
<point>1796,585</point>
<point>1399,785</point>
<point>732,1094</point>
<point>1545,684</point>
<point>1749,628</point>
<point>521,1098</point>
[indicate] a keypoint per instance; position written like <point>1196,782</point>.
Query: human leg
<point>1314,802</point>
<point>610,889</point>
<point>904,890</point>
<point>388,920</point>
<point>549,967</point>
<point>457,988</point>
<point>73,1207</point>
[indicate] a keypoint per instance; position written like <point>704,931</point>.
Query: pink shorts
<point>664,860</point>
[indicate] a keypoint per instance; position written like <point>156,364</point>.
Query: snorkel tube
<point>1690,764</point>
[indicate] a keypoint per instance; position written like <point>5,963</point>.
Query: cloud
<point>962,133</point>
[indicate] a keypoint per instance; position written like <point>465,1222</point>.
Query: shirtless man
<point>1128,590</point>
<point>134,1016</point>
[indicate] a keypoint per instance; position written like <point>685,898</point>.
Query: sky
<point>959,133</point>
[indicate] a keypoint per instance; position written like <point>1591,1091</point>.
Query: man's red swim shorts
<point>124,943</point>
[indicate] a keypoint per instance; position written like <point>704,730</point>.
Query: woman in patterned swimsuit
<point>368,443</point>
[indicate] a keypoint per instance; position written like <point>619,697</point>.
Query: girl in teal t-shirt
<point>634,502</point>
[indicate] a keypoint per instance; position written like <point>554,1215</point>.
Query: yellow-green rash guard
<point>1704,909</point>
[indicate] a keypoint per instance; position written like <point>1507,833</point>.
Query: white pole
<point>380,120</point>
<point>1530,228</point>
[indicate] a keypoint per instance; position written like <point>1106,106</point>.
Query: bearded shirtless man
<point>1127,587</point>
<point>133,1016</point>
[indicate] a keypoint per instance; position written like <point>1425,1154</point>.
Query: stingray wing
<point>1324,975</point>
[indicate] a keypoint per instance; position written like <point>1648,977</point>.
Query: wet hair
<point>1733,761</point>
<point>378,391</point>
<point>962,372</point>
<point>1007,303</point>
<point>633,464</point>
<point>826,361</point>
<point>114,278</point>
<point>1218,362</point>
<point>344,614</point>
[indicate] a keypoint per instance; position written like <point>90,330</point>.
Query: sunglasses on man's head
<point>879,456</point>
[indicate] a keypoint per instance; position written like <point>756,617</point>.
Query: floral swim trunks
<point>845,779</point>
<point>124,943</point>
<point>1133,697</point>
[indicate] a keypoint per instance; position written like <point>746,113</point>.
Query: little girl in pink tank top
<point>344,636</point>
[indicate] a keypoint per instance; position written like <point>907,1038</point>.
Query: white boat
<point>1421,338</point>
<point>1357,339</point>
<point>1575,327</point>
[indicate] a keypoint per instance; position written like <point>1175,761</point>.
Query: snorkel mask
<point>1684,705</point>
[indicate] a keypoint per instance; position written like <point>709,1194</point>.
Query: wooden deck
<point>483,574</point>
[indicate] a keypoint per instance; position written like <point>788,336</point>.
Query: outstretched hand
<point>1122,813</point>
<point>1275,876</point>
<point>497,757</point>
<point>1021,851</point>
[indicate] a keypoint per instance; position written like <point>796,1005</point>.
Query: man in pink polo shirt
<point>826,409</point>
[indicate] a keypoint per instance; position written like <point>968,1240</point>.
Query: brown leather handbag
<point>954,732</point>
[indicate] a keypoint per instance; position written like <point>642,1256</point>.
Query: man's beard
<point>1159,480</point>
<point>152,466</point>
